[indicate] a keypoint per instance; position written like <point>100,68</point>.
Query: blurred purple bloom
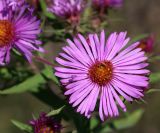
<point>107,3</point>
<point>18,30</point>
<point>15,3</point>
<point>45,124</point>
<point>147,44</point>
<point>105,69</point>
<point>67,9</point>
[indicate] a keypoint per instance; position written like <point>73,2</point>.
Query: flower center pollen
<point>6,33</point>
<point>142,45</point>
<point>101,72</point>
<point>46,130</point>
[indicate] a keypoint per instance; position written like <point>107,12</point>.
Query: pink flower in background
<point>147,44</point>
<point>15,3</point>
<point>18,30</point>
<point>67,9</point>
<point>45,124</point>
<point>105,69</point>
<point>107,3</point>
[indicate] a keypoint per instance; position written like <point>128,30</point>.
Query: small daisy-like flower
<point>45,124</point>
<point>107,3</point>
<point>18,30</point>
<point>147,44</point>
<point>104,69</point>
<point>67,9</point>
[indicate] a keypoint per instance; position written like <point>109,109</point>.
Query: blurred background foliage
<point>138,17</point>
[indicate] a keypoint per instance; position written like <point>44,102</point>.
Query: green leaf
<point>153,90</point>
<point>154,58</point>
<point>86,14</point>
<point>130,121</point>
<point>48,97</point>
<point>44,9</point>
<point>22,126</point>
<point>154,77</point>
<point>5,73</point>
<point>55,112</point>
<point>32,84</point>
<point>138,38</point>
<point>49,73</point>
<point>94,123</point>
<point>16,52</point>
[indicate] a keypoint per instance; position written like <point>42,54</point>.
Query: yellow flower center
<point>6,32</point>
<point>46,130</point>
<point>142,45</point>
<point>101,72</point>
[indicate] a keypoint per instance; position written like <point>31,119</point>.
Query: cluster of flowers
<point>90,69</point>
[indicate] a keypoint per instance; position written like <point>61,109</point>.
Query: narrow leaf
<point>153,90</point>
<point>55,112</point>
<point>130,121</point>
<point>138,38</point>
<point>86,14</point>
<point>22,126</point>
<point>44,9</point>
<point>49,73</point>
<point>31,84</point>
<point>94,123</point>
<point>154,77</point>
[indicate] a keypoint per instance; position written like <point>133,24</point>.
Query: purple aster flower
<point>107,3</point>
<point>45,124</point>
<point>147,44</point>
<point>18,30</point>
<point>104,69</point>
<point>67,9</point>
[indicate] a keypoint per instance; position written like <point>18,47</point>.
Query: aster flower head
<point>147,43</point>
<point>107,3</point>
<point>67,9</point>
<point>104,69</point>
<point>18,30</point>
<point>45,124</point>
